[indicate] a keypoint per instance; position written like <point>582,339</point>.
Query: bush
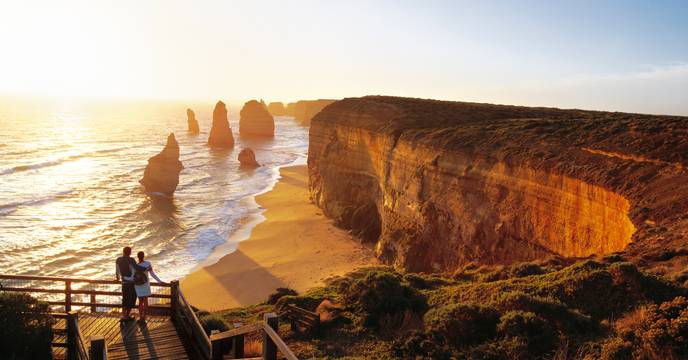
<point>418,344</point>
<point>212,322</point>
<point>381,293</point>
<point>651,332</point>
<point>616,349</point>
<point>532,329</point>
<point>279,293</point>
<point>552,310</point>
<point>462,324</point>
<point>25,327</point>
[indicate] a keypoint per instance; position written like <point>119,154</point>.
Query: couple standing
<point>135,283</point>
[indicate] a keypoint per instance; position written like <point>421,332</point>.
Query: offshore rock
<point>192,122</point>
<point>438,184</point>
<point>247,158</point>
<point>277,109</point>
<point>220,132</point>
<point>162,172</point>
<point>256,121</point>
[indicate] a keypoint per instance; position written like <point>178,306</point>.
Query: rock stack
<point>192,122</point>
<point>220,133</point>
<point>256,121</point>
<point>162,173</point>
<point>277,109</point>
<point>247,158</point>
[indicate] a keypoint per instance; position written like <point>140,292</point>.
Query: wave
<point>49,163</point>
<point>6,209</point>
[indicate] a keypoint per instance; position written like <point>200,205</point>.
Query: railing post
<point>174,296</point>
<point>93,303</point>
<point>217,350</point>
<point>238,343</point>
<point>269,347</point>
<point>72,349</point>
<point>68,296</point>
<point>98,349</point>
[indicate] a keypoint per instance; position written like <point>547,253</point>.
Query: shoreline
<point>291,245</point>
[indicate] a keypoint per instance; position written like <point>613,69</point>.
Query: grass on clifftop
<point>589,309</point>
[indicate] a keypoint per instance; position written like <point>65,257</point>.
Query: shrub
<point>534,330</point>
<point>462,324</point>
<point>616,349</point>
<point>552,310</point>
<point>381,293</point>
<point>526,269</point>
<point>212,322</point>
<point>274,297</point>
<point>418,344</point>
<point>652,332</point>
<point>25,327</point>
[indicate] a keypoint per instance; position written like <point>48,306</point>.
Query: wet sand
<point>295,246</point>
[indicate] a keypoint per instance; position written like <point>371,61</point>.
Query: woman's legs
<point>143,307</point>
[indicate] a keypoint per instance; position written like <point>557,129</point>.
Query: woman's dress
<point>144,289</point>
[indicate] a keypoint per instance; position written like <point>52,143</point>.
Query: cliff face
<point>162,172</point>
<point>256,121</point>
<point>439,184</point>
<point>305,110</point>
<point>220,132</point>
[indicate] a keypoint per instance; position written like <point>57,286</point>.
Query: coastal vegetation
<point>604,308</point>
<point>25,327</point>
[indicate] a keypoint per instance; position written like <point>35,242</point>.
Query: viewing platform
<point>87,323</point>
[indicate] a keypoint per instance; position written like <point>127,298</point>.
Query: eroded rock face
<point>305,110</point>
<point>192,122</point>
<point>247,158</point>
<point>439,184</point>
<point>277,109</point>
<point>162,173</point>
<point>220,133</point>
<point>256,121</point>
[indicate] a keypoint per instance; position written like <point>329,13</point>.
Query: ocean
<point>70,197</point>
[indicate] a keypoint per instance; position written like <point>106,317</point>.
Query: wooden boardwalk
<point>156,339</point>
<point>175,333</point>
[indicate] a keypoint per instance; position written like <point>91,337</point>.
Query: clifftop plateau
<point>438,184</point>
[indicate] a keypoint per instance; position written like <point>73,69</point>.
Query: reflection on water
<point>70,197</point>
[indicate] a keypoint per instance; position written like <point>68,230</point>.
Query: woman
<point>142,284</point>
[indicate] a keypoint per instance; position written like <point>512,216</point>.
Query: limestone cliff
<point>220,132</point>
<point>438,184</point>
<point>305,110</point>
<point>192,122</point>
<point>162,172</point>
<point>256,121</point>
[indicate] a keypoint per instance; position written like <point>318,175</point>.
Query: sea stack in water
<point>277,109</point>
<point>220,133</point>
<point>162,172</point>
<point>256,121</point>
<point>191,120</point>
<point>247,158</point>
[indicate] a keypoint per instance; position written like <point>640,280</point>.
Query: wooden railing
<point>185,319</point>
<point>76,349</point>
<point>220,341</point>
<point>68,290</point>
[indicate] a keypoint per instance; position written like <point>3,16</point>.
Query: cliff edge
<point>438,184</point>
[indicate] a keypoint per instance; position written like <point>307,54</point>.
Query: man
<point>124,267</point>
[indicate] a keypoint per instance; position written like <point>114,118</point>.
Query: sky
<point>607,55</point>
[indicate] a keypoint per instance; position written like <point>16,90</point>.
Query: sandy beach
<point>296,247</point>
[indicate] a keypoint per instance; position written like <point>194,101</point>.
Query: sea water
<point>70,197</point>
